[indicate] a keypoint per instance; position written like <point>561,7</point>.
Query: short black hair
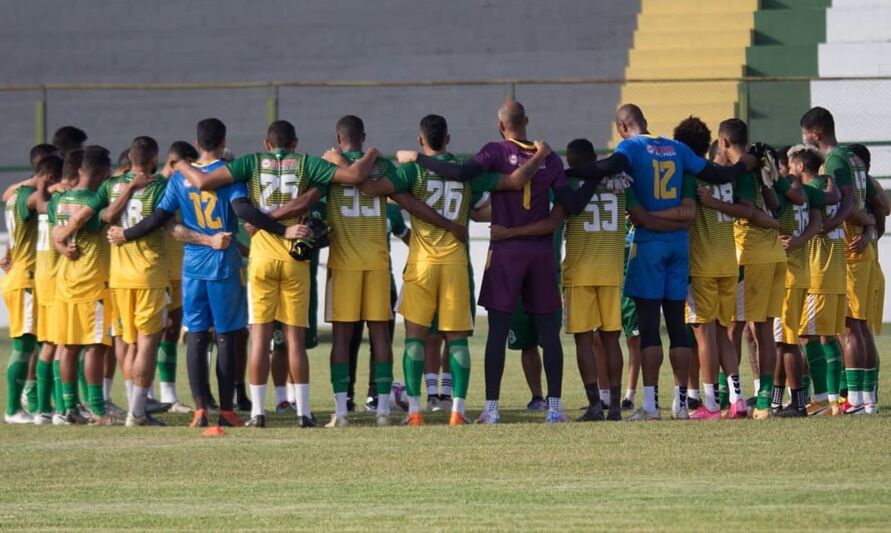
<point>808,156</point>
<point>434,130</point>
<point>39,151</point>
<point>693,132</point>
<point>143,150</point>
<point>211,134</point>
<point>819,119</point>
<point>351,129</point>
<point>96,161</point>
<point>783,154</point>
<point>73,161</point>
<point>50,166</point>
<point>183,150</point>
<point>69,138</point>
<point>580,151</point>
<point>124,159</point>
<point>281,134</point>
<point>736,131</point>
<point>861,151</point>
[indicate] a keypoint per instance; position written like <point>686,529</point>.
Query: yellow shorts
<point>46,324</point>
<point>176,294</point>
<point>278,291</point>
<point>589,308</point>
<point>431,288</point>
<point>22,307</point>
<point>859,281</point>
<point>824,314</point>
<point>787,326</point>
<point>354,295</point>
<point>877,305</point>
<point>83,323</point>
<point>760,293</point>
<point>138,311</point>
<point>710,299</point>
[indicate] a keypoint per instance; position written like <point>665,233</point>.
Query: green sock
<point>58,400</point>
<point>816,361</point>
<point>459,365</point>
<point>69,395</point>
<point>869,379</point>
<point>833,354</point>
<point>30,392</point>
<point>723,391</point>
<point>17,373</point>
<point>340,377</point>
<point>852,381</point>
<point>83,391</point>
<point>383,378</point>
<point>843,380</point>
<point>96,399</point>
<point>413,366</point>
<point>167,362</point>
<point>764,391</point>
<point>45,387</point>
<point>806,385</point>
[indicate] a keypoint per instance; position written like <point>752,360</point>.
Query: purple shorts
<point>521,269</point>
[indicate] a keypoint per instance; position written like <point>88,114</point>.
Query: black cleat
<point>693,404</point>
<point>371,404</point>
<point>153,406</point>
<point>627,405</point>
<point>751,402</point>
<point>307,422</point>
<point>790,411</point>
<point>351,405</point>
<point>212,404</point>
<point>152,421</point>
<point>258,421</point>
<point>615,414</point>
<point>594,413</point>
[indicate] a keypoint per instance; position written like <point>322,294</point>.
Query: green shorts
<point>629,317</point>
<point>522,334</point>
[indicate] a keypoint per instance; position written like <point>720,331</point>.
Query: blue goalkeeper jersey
<point>207,212</point>
<point>658,166</point>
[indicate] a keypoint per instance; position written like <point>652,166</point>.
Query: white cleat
<point>338,422</point>
<point>870,409</point>
<point>643,414</point>
<point>180,408</point>
<point>19,417</point>
<point>382,420</point>
<point>43,419</point>
<point>134,421</point>
<point>489,417</point>
<point>681,414</point>
<point>60,420</point>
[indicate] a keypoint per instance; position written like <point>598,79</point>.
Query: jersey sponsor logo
<point>513,159</point>
<point>283,164</point>
<point>662,150</point>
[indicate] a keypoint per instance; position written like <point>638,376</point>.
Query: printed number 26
<point>663,171</point>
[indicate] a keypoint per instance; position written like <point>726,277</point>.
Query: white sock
<point>491,406</point>
<point>414,404</point>
<point>383,406</point>
<point>431,380</point>
<point>649,399</point>
<point>458,405</point>
<point>128,389</point>
<point>757,382</point>
<point>869,397</point>
<point>629,394</point>
<point>734,397</point>
<point>151,391</point>
<point>604,396</point>
<point>693,393</point>
<point>292,394</point>
<point>855,397</point>
<point>676,402</point>
<point>168,392</point>
<point>137,406</point>
<point>833,398</point>
<point>106,388</point>
<point>554,404</point>
<point>281,395</point>
<point>258,400</point>
<point>301,398</point>
<point>710,403</point>
<point>446,386</point>
<point>340,403</point>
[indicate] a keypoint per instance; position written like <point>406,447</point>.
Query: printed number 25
<point>663,171</point>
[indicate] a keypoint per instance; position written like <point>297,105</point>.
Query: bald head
<point>630,121</point>
<point>512,119</point>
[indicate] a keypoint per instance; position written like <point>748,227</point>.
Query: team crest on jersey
<point>265,163</point>
<point>513,159</point>
<point>117,188</point>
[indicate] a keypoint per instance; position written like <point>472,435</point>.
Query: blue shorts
<point>658,270</point>
<point>221,304</point>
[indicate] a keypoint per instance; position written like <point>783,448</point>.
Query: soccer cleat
<point>751,402</point>
<point>113,409</point>
<point>414,419</point>
<point>105,420</point>
<point>19,417</point>
<point>153,406</point>
<point>681,414</point>
<point>693,404</point>
<point>60,420</point>
<point>371,404</point>
<point>738,410</point>
<point>537,403</point>
<point>283,407</point>
<point>642,414</point>
<point>43,419</point>
<point>244,405</point>
<point>870,409</point>
<point>258,421</point>
<point>702,413</point>
<point>760,414</point>
<point>351,405</point>
<point>179,408</point>
<point>199,419</point>
<point>821,408</point>
<point>307,422</point>
<point>615,414</point>
<point>594,413</point>
<point>457,419</point>
<point>627,405</point>
<point>382,420</point>
<point>147,420</point>
<point>433,404</point>
<point>445,402</point>
<point>849,409</point>
<point>558,417</point>
<point>338,422</point>
<point>489,417</point>
<point>229,419</point>
<point>212,405</point>
<point>790,411</point>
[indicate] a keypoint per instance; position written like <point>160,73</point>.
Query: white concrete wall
<point>857,22</point>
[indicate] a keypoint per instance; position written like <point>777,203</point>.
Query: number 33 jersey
<point>140,264</point>
<point>595,241</point>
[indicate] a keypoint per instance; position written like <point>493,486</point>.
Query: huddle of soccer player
<point>104,268</point>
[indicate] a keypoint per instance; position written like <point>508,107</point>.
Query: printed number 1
<point>205,203</point>
<point>663,171</point>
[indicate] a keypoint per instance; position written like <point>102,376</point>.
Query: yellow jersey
<point>847,169</point>
<point>755,245</point>
<point>712,247</point>
<point>21,223</point>
<point>595,241</point>
<point>47,261</point>
<point>827,254</point>
<point>83,279</point>
<point>793,220</point>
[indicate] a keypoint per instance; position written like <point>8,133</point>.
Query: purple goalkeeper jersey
<point>533,203</point>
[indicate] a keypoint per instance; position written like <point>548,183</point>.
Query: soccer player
<point>837,272</point>
<point>82,308</point>
<point>798,225</point>
<point>69,138</point>
<point>278,286</point>
<point>659,265</point>
<point>518,269</point>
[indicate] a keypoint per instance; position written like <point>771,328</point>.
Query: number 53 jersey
<point>595,241</point>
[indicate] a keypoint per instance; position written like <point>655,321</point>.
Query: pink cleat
<point>738,410</point>
<point>702,413</point>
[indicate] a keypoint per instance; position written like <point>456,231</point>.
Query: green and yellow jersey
<point>846,168</point>
<point>712,246</point>
<point>793,220</point>
<point>595,241</point>
<point>21,223</point>
<point>755,245</point>
<point>827,251</point>
<point>86,278</point>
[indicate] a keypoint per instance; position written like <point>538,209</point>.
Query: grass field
<point>828,474</point>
